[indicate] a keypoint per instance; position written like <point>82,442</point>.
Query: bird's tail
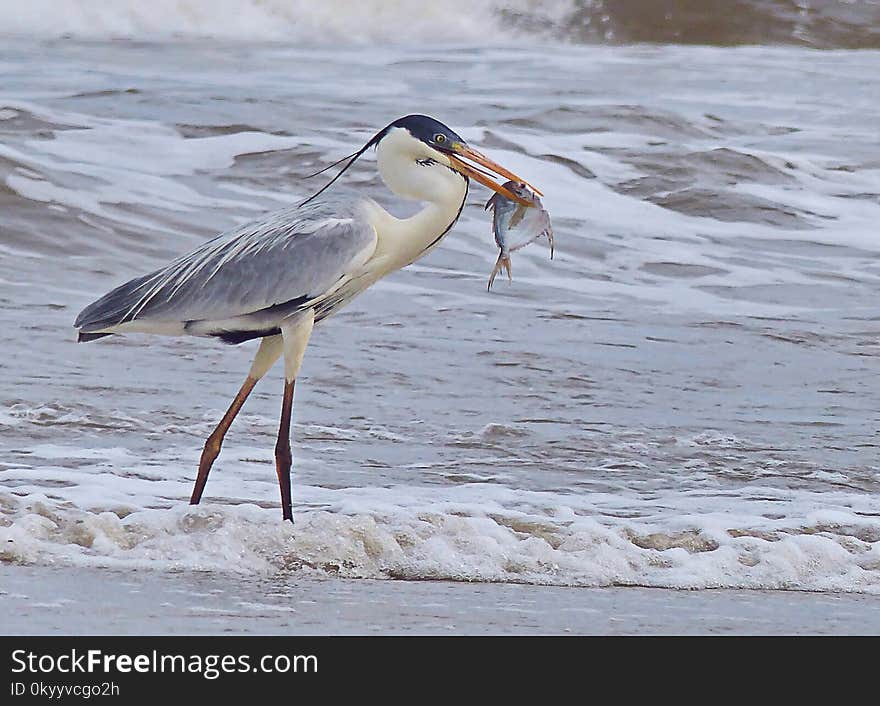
<point>112,309</point>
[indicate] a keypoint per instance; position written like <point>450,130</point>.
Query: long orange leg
<point>215,441</point>
<point>295,333</point>
<point>283,457</point>
<point>269,351</point>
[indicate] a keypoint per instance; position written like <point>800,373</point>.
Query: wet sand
<point>78,601</point>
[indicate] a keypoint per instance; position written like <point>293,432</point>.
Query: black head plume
<point>430,131</point>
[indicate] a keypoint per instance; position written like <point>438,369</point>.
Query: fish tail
<point>501,264</point>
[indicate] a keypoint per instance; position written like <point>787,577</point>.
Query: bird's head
<point>420,158</point>
<point>419,155</point>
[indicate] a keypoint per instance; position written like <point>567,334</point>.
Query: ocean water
<point>685,397</point>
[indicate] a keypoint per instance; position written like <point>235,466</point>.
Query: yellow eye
<point>439,138</point>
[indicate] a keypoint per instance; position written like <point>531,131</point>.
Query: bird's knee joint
<point>212,446</point>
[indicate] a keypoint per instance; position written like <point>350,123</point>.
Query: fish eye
<point>439,138</point>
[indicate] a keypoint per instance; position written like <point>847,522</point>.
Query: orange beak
<point>460,150</point>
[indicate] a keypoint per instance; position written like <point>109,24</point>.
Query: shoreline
<point>40,600</point>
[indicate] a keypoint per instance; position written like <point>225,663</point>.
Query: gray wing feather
<point>294,256</point>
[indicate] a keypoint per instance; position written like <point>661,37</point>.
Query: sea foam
<point>347,21</point>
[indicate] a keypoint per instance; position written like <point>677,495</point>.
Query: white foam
<point>691,536</point>
<point>347,21</point>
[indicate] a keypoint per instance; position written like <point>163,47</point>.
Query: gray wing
<point>250,277</point>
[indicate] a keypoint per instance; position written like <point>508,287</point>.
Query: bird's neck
<point>404,240</point>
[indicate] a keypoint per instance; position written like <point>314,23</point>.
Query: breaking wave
<point>818,23</point>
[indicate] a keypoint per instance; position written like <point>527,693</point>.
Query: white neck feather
<point>404,240</point>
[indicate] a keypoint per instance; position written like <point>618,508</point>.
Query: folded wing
<point>242,283</point>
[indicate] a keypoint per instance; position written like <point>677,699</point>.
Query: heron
<point>275,278</point>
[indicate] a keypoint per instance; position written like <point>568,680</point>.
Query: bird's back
<point>249,277</point>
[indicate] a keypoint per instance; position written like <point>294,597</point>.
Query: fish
<point>515,225</point>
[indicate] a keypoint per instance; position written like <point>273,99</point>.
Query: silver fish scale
<point>515,225</point>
